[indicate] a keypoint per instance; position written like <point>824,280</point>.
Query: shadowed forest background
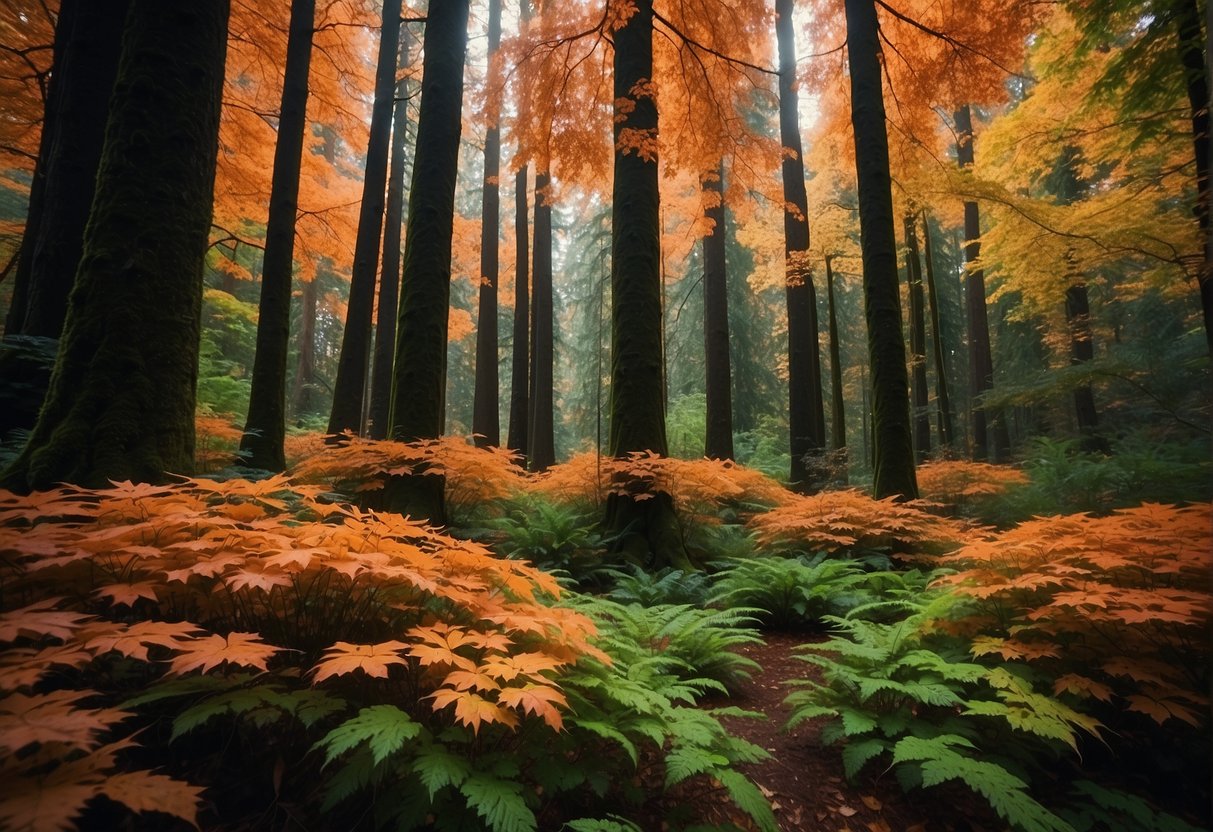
<point>605,416</point>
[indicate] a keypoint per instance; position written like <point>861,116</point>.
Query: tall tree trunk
<point>1193,57</point>
<point>355,341</point>
<point>121,398</point>
<point>419,375</point>
<point>542,440</point>
<point>718,443</point>
<point>88,69</point>
<point>14,323</point>
<point>486,419</point>
<point>303,391</point>
<point>981,363</point>
<point>894,449</point>
<point>520,372</point>
<point>918,343</point>
<point>946,434</point>
<point>389,273</point>
<point>265,427</point>
<point>644,524</point>
<point>1082,351</point>
<point>806,413</point>
<point>838,424</point>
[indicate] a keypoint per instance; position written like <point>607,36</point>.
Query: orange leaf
<point>371,659</point>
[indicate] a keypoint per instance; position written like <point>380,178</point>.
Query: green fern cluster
<point>553,536</point>
<point>665,586</point>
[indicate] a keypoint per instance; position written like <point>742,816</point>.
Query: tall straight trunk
<point>806,412</point>
<point>918,343</point>
<point>389,272</point>
<point>303,390</point>
<point>644,525</point>
<point>520,385</point>
<point>894,450</point>
<point>981,363</point>
<point>88,68</point>
<point>946,434</point>
<point>1194,58</point>
<point>838,424</point>
<point>265,427</point>
<point>1082,351</point>
<point>419,377</point>
<point>542,440</point>
<point>486,420</point>
<point>23,270</point>
<point>718,442</point>
<point>121,398</point>
<point>355,341</point>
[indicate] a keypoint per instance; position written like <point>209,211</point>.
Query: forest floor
<point>804,778</point>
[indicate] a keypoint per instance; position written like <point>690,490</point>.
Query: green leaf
<point>749,799</point>
<point>615,823</point>
<point>856,754</point>
<point>382,728</point>
<point>438,768</point>
<point>499,803</point>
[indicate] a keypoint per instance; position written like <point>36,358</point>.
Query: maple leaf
<point>143,791</point>
<point>244,649</point>
<point>540,700</point>
<point>40,618</point>
<point>472,710</point>
<point>470,680</point>
<point>53,717</point>
<point>508,668</point>
<point>128,593</point>
<point>371,659</point>
<point>132,640</point>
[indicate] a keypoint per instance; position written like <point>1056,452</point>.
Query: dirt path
<point>804,779</point>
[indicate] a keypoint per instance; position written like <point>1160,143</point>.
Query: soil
<point>804,778</point>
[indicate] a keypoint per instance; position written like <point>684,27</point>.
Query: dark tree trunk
<point>838,424</point>
<point>981,363</point>
<point>1196,80</point>
<point>1082,351</point>
<point>894,450</point>
<point>121,399</point>
<point>946,434</point>
<point>718,443</point>
<point>540,430</point>
<point>23,270</point>
<point>87,70</point>
<point>265,427</point>
<point>420,367</point>
<point>520,385</point>
<point>806,412</point>
<point>356,340</point>
<point>646,529</point>
<point>303,390</point>
<point>918,344</point>
<point>486,419</point>
<point>389,273</point>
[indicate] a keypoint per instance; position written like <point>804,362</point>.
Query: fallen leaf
<point>878,826</point>
<point>846,811</point>
<point>871,802</point>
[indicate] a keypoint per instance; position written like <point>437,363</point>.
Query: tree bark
<point>946,434</point>
<point>806,413</point>
<point>420,367</point>
<point>718,442</point>
<point>1194,59</point>
<point>389,273</point>
<point>520,372</point>
<point>894,450</point>
<point>1082,351</point>
<point>838,424</point>
<point>918,343</point>
<point>88,70</point>
<point>643,524</point>
<point>121,398</point>
<point>355,341</point>
<point>981,363</point>
<point>486,419</point>
<point>303,389</point>
<point>265,427</point>
<point>540,430</point>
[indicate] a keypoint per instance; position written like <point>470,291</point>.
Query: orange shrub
<point>1117,608</point>
<point>300,446</point>
<point>958,483</point>
<point>216,441</point>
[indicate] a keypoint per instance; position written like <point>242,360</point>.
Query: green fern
<point>381,728</point>
<point>499,802</point>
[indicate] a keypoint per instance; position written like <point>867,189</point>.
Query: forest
<point>606,415</point>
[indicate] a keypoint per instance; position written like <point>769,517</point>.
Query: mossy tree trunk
<point>894,449</point>
<point>520,371</point>
<point>645,529</point>
<point>265,427</point>
<point>420,368</point>
<point>486,419</point>
<point>87,70</point>
<point>540,430</point>
<point>806,411</point>
<point>1194,58</point>
<point>121,399</point>
<point>718,442</point>
<point>918,342</point>
<point>946,434</point>
<point>389,272</point>
<point>350,385</point>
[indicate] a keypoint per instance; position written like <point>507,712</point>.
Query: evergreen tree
<point>718,443</point>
